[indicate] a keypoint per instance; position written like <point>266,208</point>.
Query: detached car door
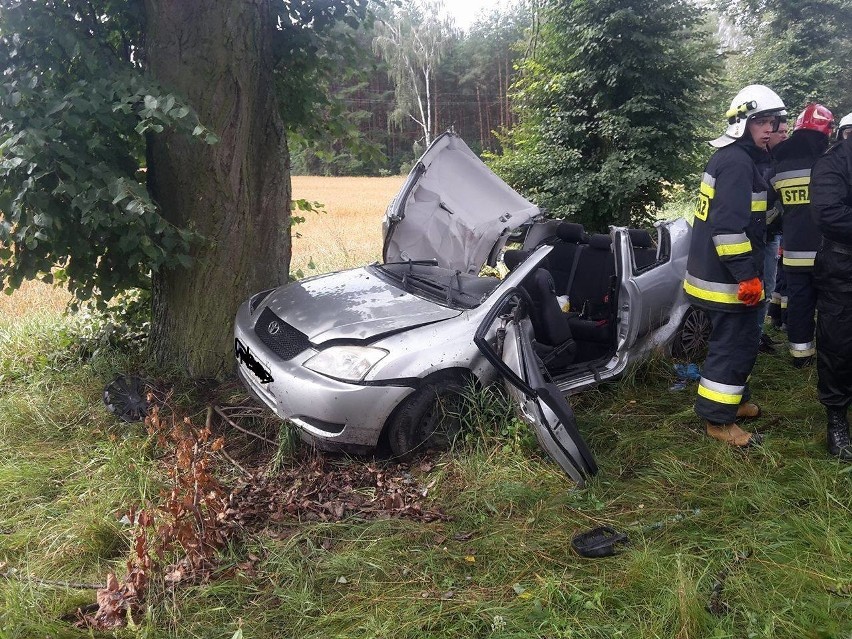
<point>539,401</point>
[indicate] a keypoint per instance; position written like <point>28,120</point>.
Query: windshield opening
<point>447,287</point>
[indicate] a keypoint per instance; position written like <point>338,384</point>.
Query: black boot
<point>837,436</point>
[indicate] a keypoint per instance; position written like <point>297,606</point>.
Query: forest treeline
<point>607,91</point>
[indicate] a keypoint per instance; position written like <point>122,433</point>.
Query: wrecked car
<point>385,351</point>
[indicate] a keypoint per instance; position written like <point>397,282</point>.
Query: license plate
<point>246,358</point>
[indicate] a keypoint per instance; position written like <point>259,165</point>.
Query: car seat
<point>513,257</point>
<point>551,326</point>
<point>592,280</point>
<point>566,254</point>
<point>590,294</point>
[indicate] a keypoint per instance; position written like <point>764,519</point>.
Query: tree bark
<point>236,193</point>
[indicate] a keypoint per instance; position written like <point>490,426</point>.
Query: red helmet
<point>815,117</point>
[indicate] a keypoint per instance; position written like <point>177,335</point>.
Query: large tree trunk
<point>236,193</point>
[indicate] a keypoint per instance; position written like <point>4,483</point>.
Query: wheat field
<point>349,231</point>
<point>33,298</point>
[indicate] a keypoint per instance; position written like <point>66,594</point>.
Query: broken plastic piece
<point>598,542</point>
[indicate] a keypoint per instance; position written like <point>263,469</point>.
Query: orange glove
<point>750,291</point>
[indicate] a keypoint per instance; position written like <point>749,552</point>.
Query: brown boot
<point>748,410</point>
<point>733,435</point>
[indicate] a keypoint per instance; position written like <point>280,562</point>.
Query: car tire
<point>429,419</point>
<point>692,336</point>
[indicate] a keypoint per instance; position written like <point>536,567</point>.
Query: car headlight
<point>345,362</point>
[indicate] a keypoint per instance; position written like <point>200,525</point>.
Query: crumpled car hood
<point>354,304</point>
<point>452,208</point>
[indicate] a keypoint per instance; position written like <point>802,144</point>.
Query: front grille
<point>284,340</point>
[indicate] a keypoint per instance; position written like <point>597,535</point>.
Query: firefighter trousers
<point>834,348</point>
<point>801,305</point>
<point>731,353</point>
<point>778,301</point>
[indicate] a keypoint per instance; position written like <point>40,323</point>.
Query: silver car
<point>386,350</point>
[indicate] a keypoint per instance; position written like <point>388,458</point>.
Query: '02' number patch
<point>702,207</point>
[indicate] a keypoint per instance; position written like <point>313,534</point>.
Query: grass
<point>776,522</point>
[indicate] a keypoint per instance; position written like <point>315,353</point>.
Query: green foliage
<point>344,146</point>
<point>799,48</point>
<point>609,107</point>
<point>124,324</point>
<point>74,113</point>
<point>318,45</point>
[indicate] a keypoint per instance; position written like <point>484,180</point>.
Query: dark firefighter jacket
<point>831,198</point>
<point>728,232</point>
<point>766,166</point>
<point>792,181</point>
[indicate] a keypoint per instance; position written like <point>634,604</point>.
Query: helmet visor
<point>768,117</point>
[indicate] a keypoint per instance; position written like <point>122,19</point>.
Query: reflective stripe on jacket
<point>792,183</point>
<point>728,232</point>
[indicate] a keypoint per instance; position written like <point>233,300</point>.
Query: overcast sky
<point>465,11</point>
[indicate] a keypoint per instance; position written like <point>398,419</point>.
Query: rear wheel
<point>429,419</point>
<point>691,340</point>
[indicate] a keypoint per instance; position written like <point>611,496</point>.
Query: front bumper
<point>330,414</point>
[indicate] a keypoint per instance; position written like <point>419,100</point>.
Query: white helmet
<point>754,100</point>
<point>845,123</point>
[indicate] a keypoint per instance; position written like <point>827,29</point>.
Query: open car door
<point>539,401</point>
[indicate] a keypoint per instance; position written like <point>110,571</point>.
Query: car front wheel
<point>428,419</point>
<point>691,340</point>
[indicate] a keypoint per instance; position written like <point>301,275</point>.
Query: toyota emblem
<point>273,327</point>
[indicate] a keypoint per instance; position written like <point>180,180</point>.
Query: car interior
<point>582,268</point>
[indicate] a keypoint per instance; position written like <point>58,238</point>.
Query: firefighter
<point>844,129</point>
<point>831,197</point>
<point>801,237</point>
<point>725,263</point>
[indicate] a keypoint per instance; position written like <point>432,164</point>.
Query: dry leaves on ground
<point>320,489</point>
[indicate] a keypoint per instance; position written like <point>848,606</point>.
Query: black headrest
<point>512,258</point>
<point>640,238</point>
<point>600,241</point>
<point>571,232</point>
